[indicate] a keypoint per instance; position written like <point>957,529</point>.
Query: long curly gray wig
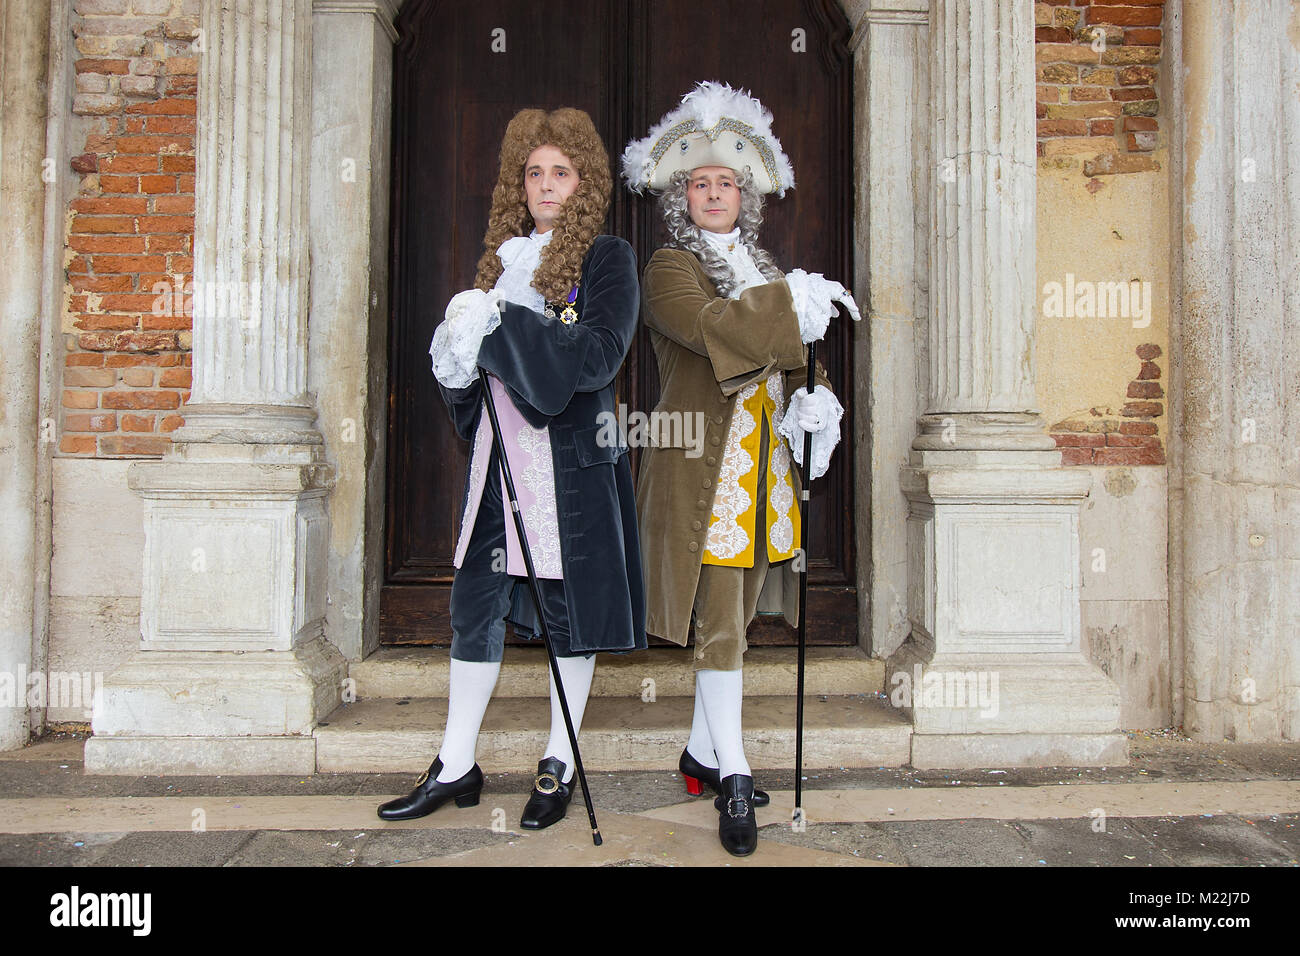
<point>684,234</point>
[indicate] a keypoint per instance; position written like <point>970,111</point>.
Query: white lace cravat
<point>472,314</point>
<point>733,251</point>
<point>521,255</point>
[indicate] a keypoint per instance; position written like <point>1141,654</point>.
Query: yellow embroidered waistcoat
<point>731,526</point>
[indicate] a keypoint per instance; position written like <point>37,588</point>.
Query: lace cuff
<point>470,316</point>
<point>823,442</point>
<point>813,316</point>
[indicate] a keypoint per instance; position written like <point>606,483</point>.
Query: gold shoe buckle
<point>546,783</point>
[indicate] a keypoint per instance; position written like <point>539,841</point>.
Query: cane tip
<point>596,838</point>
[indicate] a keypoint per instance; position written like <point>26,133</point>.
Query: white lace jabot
<point>733,251</point>
<point>521,255</point>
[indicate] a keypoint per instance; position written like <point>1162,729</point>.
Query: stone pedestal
<point>994,674</point>
<point>233,670</point>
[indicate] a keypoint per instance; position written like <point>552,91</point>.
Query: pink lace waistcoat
<point>528,450</point>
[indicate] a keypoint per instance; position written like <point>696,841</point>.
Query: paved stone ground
<point>1177,803</point>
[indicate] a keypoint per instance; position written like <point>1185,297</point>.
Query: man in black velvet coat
<point>561,376</point>
<point>550,319</point>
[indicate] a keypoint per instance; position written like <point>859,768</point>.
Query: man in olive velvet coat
<point>708,348</point>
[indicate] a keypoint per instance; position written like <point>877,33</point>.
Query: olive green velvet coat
<point>708,347</point>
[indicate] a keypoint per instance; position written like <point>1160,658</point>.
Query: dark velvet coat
<point>562,376</point>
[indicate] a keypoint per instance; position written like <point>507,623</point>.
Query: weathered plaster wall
<point>1102,229</point>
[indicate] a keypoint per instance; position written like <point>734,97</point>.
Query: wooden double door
<point>461,70</point>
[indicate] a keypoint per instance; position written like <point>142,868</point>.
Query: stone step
<point>769,671</point>
<point>386,735</point>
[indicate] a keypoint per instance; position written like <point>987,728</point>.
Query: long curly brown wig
<point>582,215</point>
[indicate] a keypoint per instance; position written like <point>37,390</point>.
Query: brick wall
<point>1098,66</point>
<point>1125,434</point>
<point>130,227</point>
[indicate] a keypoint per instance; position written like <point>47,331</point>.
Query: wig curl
<point>683,233</point>
<point>582,215</point>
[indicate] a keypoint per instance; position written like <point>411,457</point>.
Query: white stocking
<point>469,690</point>
<point>722,693</point>
<point>576,673</point>
<point>700,746</point>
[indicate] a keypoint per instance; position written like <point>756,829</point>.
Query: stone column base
<point>215,711</point>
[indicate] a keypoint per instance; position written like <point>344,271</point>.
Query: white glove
<point>470,316</point>
<point>821,409</point>
<point>814,302</point>
<point>812,412</point>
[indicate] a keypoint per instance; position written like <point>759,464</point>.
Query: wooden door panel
<point>625,64</point>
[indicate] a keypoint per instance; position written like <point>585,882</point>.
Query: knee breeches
<point>484,597</point>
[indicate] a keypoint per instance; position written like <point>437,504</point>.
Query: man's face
<point>712,198</point>
<point>549,179</point>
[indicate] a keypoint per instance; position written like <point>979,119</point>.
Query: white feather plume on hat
<point>715,125</point>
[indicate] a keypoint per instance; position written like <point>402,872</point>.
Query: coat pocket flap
<point>669,428</point>
<point>601,445</point>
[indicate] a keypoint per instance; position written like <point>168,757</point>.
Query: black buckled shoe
<point>429,794</point>
<point>696,773</point>
<point>737,827</point>
<point>550,797</point>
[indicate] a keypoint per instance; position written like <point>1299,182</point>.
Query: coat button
<point>715,440</point>
<point>722,399</point>
<point>695,526</point>
<point>711,460</point>
<point>700,503</point>
<point>717,419</point>
<point>705,483</point>
<point>693,546</point>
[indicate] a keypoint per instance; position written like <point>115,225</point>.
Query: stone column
<point>891,122</point>
<point>994,674</point>
<point>234,669</point>
<point>983,201</point>
<point>1235,510</point>
<point>24,48</point>
<point>351,151</point>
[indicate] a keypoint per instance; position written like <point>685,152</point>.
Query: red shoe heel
<point>693,786</point>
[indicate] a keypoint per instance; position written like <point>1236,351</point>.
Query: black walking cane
<point>804,503</point>
<point>537,599</point>
<point>803,594</point>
